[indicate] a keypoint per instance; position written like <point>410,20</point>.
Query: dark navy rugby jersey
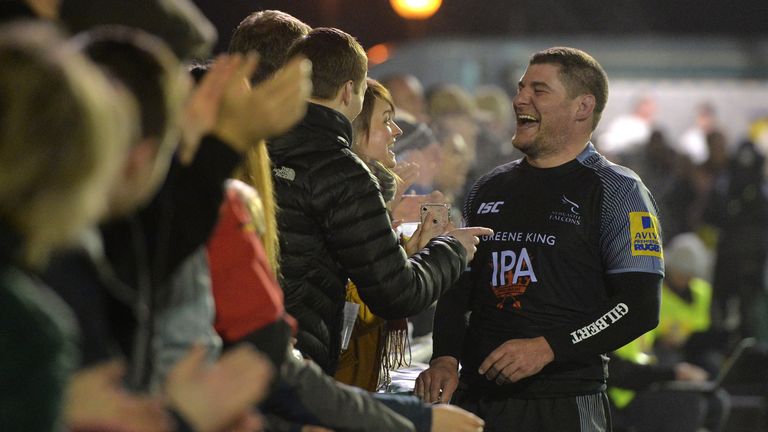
<point>557,233</point>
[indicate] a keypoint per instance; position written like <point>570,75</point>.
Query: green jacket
<point>36,350</point>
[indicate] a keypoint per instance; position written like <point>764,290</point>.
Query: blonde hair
<point>63,134</point>
<point>256,171</point>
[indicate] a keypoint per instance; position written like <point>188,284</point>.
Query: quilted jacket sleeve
<point>307,395</point>
<point>359,233</point>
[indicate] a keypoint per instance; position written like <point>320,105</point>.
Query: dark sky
<point>374,21</point>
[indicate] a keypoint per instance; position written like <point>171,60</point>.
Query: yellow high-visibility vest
<point>678,319</point>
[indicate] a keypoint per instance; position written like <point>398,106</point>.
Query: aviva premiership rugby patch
<point>644,228</point>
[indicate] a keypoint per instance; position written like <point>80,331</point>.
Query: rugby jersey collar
<point>564,168</point>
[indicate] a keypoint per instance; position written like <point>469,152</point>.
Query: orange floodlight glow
<point>416,9</point>
<point>378,54</point>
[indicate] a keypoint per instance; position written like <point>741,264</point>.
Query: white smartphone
<point>441,213</point>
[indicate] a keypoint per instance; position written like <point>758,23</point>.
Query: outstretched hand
<point>437,383</point>
<point>469,238</point>
<point>407,172</point>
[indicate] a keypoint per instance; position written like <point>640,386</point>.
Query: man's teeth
<point>525,118</point>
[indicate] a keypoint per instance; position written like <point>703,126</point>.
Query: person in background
<point>418,145</point>
<point>451,107</point>
<point>179,23</point>
<point>133,282</point>
<point>739,210</point>
<point>496,121</point>
<point>55,182</point>
<point>693,142</point>
<point>270,33</point>
<point>449,182</point>
<point>638,403</point>
<point>686,298</point>
<point>408,96</point>
<point>629,131</point>
<point>451,176</point>
<point>668,176</point>
<point>454,107</point>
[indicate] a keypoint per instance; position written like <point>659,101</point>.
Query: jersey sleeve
<point>630,234</point>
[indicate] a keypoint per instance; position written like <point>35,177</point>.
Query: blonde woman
<point>63,132</point>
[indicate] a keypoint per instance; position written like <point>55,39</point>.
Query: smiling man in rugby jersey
<point>573,271</point>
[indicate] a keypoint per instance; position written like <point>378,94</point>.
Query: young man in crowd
<point>333,221</point>
<point>149,234</point>
<point>270,33</point>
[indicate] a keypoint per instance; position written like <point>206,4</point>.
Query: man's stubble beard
<point>545,142</point>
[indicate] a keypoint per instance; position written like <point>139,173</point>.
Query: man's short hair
<point>580,74</point>
<point>336,58</point>
<point>271,34</point>
<point>148,68</point>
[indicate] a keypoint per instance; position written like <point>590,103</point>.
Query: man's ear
<point>347,90</point>
<point>585,107</point>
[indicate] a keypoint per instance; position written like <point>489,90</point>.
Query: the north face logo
<point>285,173</point>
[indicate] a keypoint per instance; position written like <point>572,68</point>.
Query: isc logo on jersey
<point>490,207</point>
<point>644,228</point>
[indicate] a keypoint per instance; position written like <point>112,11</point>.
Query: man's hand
<point>213,397</point>
<point>449,418</point>
<point>408,172</point>
<point>516,359</point>
<point>688,372</point>
<point>269,109</point>
<point>437,383</point>
<point>469,238</point>
<point>281,101</point>
<point>95,400</point>
<point>201,110</point>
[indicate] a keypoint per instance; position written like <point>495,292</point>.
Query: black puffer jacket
<point>333,227</point>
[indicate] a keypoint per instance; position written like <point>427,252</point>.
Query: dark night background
<point>374,21</point>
